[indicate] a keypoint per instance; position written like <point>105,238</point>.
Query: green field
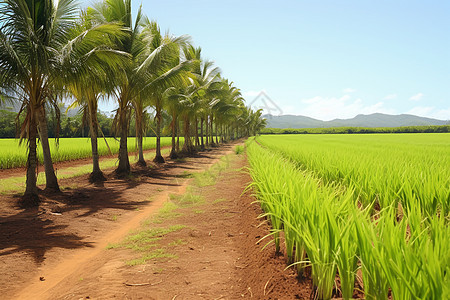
<point>13,155</point>
<point>379,203</point>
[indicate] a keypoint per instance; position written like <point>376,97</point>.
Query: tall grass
<point>383,168</point>
<point>306,209</point>
<point>319,214</point>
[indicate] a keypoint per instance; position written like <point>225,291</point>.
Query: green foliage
<point>157,253</point>
<point>70,126</point>
<point>311,187</point>
<point>145,241</point>
<point>7,123</point>
<point>166,212</point>
<point>350,130</point>
<point>239,149</point>
<point>187,199</point>
<point>209,177</point>
<point>383,169</point>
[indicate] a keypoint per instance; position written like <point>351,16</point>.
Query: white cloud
<point>416,97</point>
<point>348,90</point>
<point>390,97</point>
<point>329,108</point>
<point>430,112</point>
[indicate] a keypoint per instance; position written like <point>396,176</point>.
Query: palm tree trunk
<point>140,135</point>
<point>225,133</point>
<point>207,131</point>
<point>187,138</point>
<point>212,133</point>
<point>217,133</point>
<point>158,158</point>
<point>124,163</point>
<point>201,133</point>
<point>177,130</point>
<point>197,141</point>
<point>30,197</point>
<point>173,152</point>
<point>97,174</point>
<point>141,160</point>
<point>51,182</point>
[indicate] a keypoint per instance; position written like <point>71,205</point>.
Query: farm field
<point>13,155</point>
<point>13,180</point>
<point>366,209</point>
<point>157,232</point>
<point>335,235</point>
<point>320,171</point>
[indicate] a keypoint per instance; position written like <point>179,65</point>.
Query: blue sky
<point>324,59</point>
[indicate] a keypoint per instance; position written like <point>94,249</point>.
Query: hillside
<point>372,120</point>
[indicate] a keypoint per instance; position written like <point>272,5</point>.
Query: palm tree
<point>87,97</point>
<point>224,108</point>
<point>32,37</point>
<point>140,105</point>
<point>187,114</point>
<point>139,75</point>
<point>174,105</point>
<point>119,11</point>
<point>95,79</point>
<point>196,97</point>
<point>206,75</point>
<point>51,182</point>
<point>162,71</point>
<point>257,122</point>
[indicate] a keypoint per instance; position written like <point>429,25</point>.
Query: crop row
<point>320,225</point>
<point>13,155</point>
<point>412,169</point>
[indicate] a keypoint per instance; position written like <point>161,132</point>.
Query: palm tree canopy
<point>31,35</point>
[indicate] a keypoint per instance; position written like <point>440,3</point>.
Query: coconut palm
<point>140,105</point>
<point>226,112</point>
<point>119,11</point>
<point>33,54</point>
<point>224,108</point>
<point>174,106</point>
<point>165,69</point>
<point>139,75</point>
<point>206,75</point>
<point>196,97</point>
<point>31,34</point>
<point>257,122</point>
<point>95,80</point>
<point>215,92</point>
<point>186,110</point>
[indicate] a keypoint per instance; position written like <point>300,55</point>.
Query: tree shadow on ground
<point>27,233</point>
<point>37,231</point>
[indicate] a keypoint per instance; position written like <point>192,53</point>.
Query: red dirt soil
<point>59,250</point>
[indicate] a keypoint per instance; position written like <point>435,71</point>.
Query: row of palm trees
<point>51,50</point>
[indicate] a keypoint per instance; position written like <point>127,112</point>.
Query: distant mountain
<point>372,120</point>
